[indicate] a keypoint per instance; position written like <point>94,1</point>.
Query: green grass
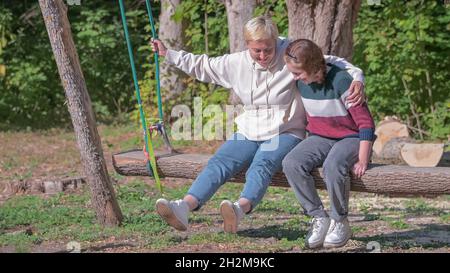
<point>162,241</point>
<point>357,229</point>
<point>69,217</point>
<point>9,163</point>
<point>280,200</point>
<point>214,238</point>
<point>132,143</point>
<point>445,217</point>
<point>117,131</point>
<point>275,226</point>
<point>286,245</point>
<point>420,207</point>
<point>366,210</point>
<point>135,140</point>
<point>60,217</point>
<point>396,223</point>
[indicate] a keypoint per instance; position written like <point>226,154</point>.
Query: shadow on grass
<point>102,248</point>
<point>274,231</point>
<point>428,236</point>
<point>412,211</point>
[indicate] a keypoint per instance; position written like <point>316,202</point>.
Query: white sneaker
<point>175,213</point>
<point>318,231</point>
<point>338,234</point>
<point>232,214</point>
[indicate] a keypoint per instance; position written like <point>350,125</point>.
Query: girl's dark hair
<point>306,55</point>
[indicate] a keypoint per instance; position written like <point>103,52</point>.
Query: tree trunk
<point>391,152</point>
<point>329,23</point>
<point>238,13</point>
<point>385,179</point>
<point>79,104</point>
<point>404,150</point>
<point>172,34</point>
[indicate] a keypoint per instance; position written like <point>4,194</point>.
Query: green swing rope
<point>156,57</point>
<point>147,137</point>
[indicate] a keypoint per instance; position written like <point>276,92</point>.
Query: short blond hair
<point>260,28</point>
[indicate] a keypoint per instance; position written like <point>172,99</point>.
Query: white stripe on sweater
<point>325,108</point>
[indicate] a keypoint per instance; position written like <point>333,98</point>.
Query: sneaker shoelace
<point>332,227</point>
<point>337,227</point>
<point>316,224</point>
<point>177,203</point>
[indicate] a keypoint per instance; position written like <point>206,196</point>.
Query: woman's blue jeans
<point>263,159</point>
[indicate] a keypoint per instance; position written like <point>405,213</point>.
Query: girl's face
<point>262,51</point>
<point>302,75</point>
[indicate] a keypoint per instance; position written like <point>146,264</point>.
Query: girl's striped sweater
<point>328,113</point>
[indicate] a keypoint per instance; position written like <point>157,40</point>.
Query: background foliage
<point>403,49</point>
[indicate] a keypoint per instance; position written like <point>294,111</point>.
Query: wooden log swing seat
<point>381,179</point>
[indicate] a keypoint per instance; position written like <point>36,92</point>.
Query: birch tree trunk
<point>172,35</point>
<point>329,23</point>
<point>78,101</point>
<point>238,13</point>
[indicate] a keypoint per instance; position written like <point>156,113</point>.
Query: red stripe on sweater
<point>332,127</point>
<point>341,126</point>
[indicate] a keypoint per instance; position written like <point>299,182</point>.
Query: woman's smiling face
<point>262,51</point>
